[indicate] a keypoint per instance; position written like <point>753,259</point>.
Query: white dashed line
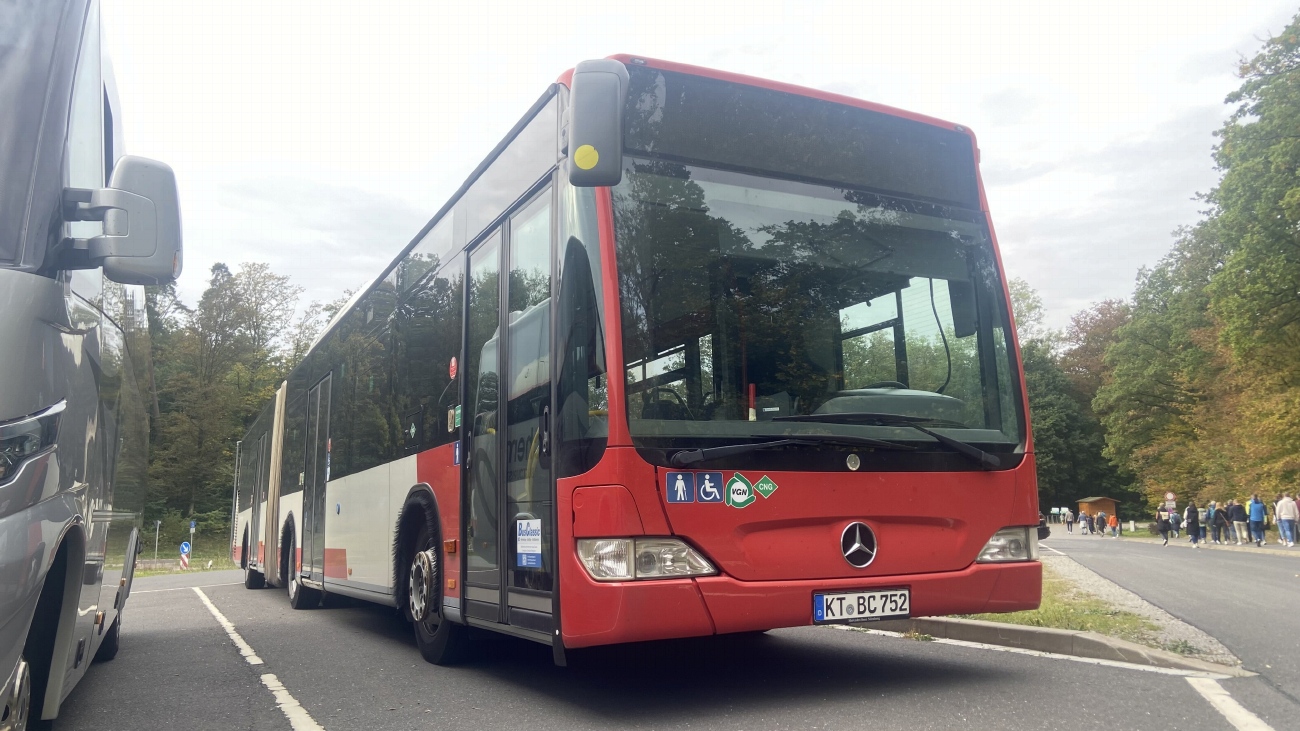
<point>244,648</point>
<point>298,716</point>
<point>1051,655</point>
<point>1237,715</point>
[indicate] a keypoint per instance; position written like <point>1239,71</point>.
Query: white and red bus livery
<point>689,353</point>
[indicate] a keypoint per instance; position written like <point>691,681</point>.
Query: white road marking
<point>298,716</point>
<point>1053,550</point>
<point>1052,655</point>
<point>244,648</point>
<point>1237,715</point>
<point>183,588</point>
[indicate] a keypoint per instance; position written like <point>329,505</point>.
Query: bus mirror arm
<point>140,210</point>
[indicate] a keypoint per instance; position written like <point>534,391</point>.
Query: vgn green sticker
<point>741,492</point>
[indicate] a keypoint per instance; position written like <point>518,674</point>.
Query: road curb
<point>1077,643</point>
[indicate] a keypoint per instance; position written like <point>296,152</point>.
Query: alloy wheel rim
<point>420,585</point>
<point>20,700</point>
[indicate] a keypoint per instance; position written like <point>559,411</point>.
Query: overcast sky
<point>320,136</point>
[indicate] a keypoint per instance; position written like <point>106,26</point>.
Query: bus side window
<point>426,341</point>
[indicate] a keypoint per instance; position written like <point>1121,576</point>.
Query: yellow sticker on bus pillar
<point>586,157</point>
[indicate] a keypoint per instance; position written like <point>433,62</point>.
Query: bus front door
<point>510,501</point>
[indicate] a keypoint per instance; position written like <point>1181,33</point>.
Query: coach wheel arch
<point>50,637</point>
<point>421,508</point>
<point>243,551</point>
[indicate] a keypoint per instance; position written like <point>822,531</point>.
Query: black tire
<point>112,641</point>
<point>254,579</point>
<point>300,597</point>
<point>440,642</point>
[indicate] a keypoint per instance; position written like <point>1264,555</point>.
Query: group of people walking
<point>1092,524</point>
<point>1231,522</point>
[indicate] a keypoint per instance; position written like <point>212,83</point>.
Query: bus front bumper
<point>608,613</point>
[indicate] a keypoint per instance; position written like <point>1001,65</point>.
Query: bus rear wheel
<point>440,641</point>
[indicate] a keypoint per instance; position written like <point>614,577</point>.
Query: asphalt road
<point>353,666</point>
<point>1249,601</point>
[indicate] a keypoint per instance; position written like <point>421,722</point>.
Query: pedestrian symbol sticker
<point>708,486</point>
<point>680,487</point>
<point>765,487</point>
<point>740,492</point>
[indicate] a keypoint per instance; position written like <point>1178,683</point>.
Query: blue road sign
<point>191,526</point>
<point>680,487</point>
<point>185,547</point>
<point>709,486</point>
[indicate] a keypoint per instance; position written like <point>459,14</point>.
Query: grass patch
<point>1063,607</point>
<point>1182,647</point>
<point>918,636</point>
<point>198,562</point>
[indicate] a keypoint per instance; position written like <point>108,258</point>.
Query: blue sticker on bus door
<point>455,454</point>
<point>680,487</point>
<point>528,543</point>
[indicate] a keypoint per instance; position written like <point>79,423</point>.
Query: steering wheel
<point>885,384</point>
<point>677,396</point>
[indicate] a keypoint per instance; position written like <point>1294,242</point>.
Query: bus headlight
<point>1017,543</point>
<point>25,437</point>
<point>626,559</point>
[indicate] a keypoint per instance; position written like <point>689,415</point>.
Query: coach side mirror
<point>599,90</point>
<point>140,208</point>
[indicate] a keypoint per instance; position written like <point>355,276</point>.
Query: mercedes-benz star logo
<point>858,544</point>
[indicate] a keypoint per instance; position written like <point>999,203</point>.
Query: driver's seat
<point>661,408</point>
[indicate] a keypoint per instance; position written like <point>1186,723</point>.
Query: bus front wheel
<point>300,597</point>
<point>440,641</point>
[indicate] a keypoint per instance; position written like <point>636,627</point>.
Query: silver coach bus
<point>82,229</point>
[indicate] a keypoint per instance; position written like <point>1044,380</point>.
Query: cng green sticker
<point>457,416</point>
<point>740,492</point>
<point>765,487</point>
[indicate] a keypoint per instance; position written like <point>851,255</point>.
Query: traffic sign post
<point>192,533</point>
<point>185,554</point>
<point>156,525</point>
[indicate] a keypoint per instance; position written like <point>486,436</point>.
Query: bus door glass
<point>318,473</point>
<point>527,523</point>
<point>509,388</point>
<point>482,350</point>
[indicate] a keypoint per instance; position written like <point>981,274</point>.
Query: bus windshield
<point>747,300</point>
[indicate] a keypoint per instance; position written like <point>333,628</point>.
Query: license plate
<point>862,606</point>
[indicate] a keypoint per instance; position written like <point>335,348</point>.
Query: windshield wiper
<point>986,461</point>
<point>687,457</point>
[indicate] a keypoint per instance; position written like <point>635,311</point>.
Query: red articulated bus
<point>690,353</point>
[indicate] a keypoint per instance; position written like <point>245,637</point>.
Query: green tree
<point>1068,437</point>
